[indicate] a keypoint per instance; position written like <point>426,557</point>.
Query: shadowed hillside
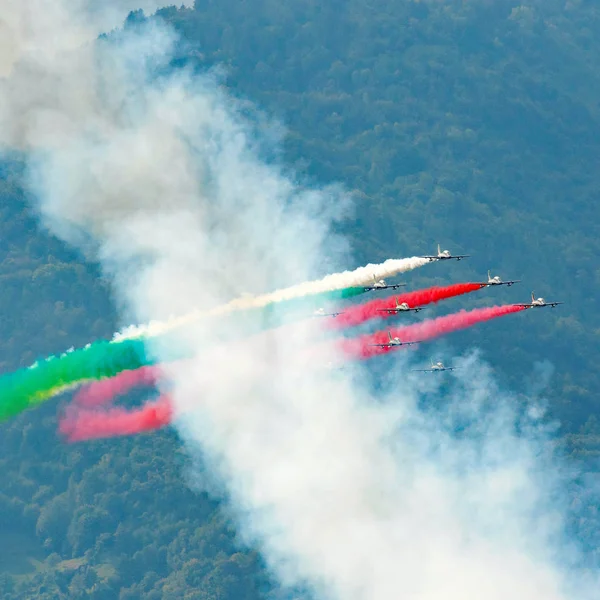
<point>475,125</point>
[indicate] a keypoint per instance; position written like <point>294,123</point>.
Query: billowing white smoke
<point>361,277</point>
<point>358,497</point>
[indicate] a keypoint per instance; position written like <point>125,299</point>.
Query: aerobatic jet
<point>380,284</point>
<point>320,312</point>
<point>393,342</point>
<point>537,302</point>
<point>400,307</point>
<point>497,281</point>
<point>438,366</point>
<point>445,255</point>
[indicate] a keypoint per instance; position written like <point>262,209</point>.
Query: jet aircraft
<point>393,342</point>
<point>438,366</point>
<point>445,255</point>
<point>537,302</point>
<point>380,284</point>
<point>320,312</point>
<point>400,307</point>
<point>497,281</point>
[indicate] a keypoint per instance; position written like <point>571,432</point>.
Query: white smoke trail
<point>363,276</point>
<point>359,496</point>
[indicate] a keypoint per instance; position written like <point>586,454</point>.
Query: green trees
<point>472,124</point>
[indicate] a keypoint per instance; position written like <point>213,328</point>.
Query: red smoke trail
<point>360,347</point>
<point>355,315</point>
<point>84,424</point>
<point>102,392</point>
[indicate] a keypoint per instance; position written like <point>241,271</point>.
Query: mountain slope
<point>472,125</point>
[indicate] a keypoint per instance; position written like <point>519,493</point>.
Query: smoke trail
<point>348,494</point>
<point>332,287</point>
<point>30,386</point>
<point>99,393</point>
<point>355,315</point>
<point>79,424</point>
<point>250,313</point>
<point>361,347</point>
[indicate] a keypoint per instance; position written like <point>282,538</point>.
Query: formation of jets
<point>535,302</point>
<point>393,342</point>
<point>400,307</point>
<point>435,367</point>
<point>380,284</point>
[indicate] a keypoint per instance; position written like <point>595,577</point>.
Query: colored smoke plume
<point>360,347</point>
<point>331,287</point>
<point>99,393</point>
<point>347,492</point>
<point>360,313</point>
<point>46,378</point>
<point>79,424</point>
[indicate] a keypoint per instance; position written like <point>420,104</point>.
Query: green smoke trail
<point>348,292</point>
<point>29,386</point>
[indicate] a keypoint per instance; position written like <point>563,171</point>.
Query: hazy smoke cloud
<point>414,492</point>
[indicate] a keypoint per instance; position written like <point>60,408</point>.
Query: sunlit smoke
<point>354,494</point>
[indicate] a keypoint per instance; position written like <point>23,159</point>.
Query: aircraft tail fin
<point>532,297</point>
<point>489,276</point>
<point>390,335</point>
<point>439,249</point>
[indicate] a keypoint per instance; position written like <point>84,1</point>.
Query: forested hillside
<point>475,125</point>
<point>472,124</point>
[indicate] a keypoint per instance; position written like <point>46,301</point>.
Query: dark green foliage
<point>475,124</point>
<point>88,521</point>
<point>472,124</point>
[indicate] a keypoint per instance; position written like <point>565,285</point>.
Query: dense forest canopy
<point>475,125</point>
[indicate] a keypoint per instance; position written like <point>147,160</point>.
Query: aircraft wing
<point>553,304</point>
<point>382,345</point>
<point>422,370</point>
